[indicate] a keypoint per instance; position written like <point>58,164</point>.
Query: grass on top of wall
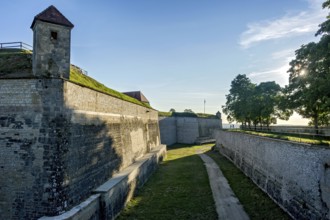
<point>307,139</point>
<point>164,114</point>
<point>256,203</point>
<point>77,76</point>
<point>16,60</point>
<point>179,189</point>
<point>187,114</point>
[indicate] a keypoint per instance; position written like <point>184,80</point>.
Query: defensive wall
<point>294,175</point>
<point>186,130</point>
<point>60,141</point>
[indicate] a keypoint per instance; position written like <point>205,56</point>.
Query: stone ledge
<point>117,191</point>
<point>88,209</point>
<point>110,198</point>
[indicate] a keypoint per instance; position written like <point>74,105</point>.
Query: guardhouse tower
<point>51,44</point>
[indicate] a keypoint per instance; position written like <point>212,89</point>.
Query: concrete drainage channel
<point>110,198</point>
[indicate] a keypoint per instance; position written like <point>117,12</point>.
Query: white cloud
<point>286,26</point>
<point>287,54</point>
<point>278,74</point>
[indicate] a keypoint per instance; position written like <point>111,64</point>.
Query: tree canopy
<point>249,103</point>
<point>308,91</point>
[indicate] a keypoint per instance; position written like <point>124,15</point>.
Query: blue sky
<point>177,52</point>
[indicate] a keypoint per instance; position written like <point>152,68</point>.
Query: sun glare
<point>303,72</point>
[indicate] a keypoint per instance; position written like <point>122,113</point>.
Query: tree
<point>238,105</point>
<point>308,90</point>
<point>188,111</point>
<point>325,26</point>
<point>257,104</point>
<point>172,110</point>
<point>267,100</point>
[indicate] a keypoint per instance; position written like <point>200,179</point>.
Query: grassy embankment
<point>302,138</point>
<point>256,203</point>
<point>15,60</point>
<point>78,77</point>
<point>180,189</point>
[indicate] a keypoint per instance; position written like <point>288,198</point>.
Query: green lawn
<point>256,203</point>
<point>178,190</point>
<point>308,139</point>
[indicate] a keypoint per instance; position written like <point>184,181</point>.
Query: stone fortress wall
<point>295,175</point>
<point>186,130</point>
<point>60,141</point>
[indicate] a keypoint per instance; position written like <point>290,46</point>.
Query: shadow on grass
<point>178,190</point>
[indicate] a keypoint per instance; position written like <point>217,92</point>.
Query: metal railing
<point>15,45</point>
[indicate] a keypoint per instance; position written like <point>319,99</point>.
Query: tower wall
<point>51,50</point>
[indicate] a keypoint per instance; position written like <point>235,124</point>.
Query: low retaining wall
<point>110,198</point>
<point>295,175</point>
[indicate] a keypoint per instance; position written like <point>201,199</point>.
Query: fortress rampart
<point>59,141</point>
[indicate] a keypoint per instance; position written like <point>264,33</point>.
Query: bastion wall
<point>59,141</point>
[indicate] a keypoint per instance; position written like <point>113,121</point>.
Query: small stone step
<point>204,140</point>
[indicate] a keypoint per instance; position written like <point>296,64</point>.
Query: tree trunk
<point>268,124</point>
<point>316,123</point>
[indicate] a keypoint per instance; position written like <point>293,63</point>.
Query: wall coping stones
<point>81,211</point>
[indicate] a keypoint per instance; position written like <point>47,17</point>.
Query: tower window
<point>53,35</point>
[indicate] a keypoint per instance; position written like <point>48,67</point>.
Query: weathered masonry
<point>187,130</point>
<point>60,141</point>
<point>295,175</point>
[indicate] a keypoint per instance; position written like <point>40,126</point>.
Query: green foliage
<point>237,106</point>
<point>188,111</point>
<point>325,26</point>
<point>249,103</point>
<point>308,90</point>
<point>255,202</point>
<point>178,190</point>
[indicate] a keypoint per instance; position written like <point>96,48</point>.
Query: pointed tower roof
<point>52,15</point>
